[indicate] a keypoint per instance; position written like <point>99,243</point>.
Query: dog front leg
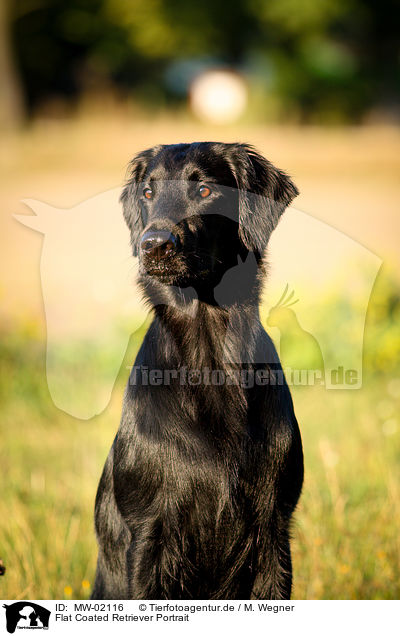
<point>274,567</point>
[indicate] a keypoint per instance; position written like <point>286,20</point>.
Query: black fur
<point>197,492</point>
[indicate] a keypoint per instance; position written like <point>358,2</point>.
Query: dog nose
<point>158,244</point>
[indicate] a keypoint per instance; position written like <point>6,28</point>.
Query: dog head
<point>194,209</point>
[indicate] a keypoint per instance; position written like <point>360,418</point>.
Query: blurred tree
<point>326,59</point>
<point>333,56</point>
<point>11,99</point>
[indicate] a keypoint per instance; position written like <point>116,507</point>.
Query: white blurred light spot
<point>389,427</point>
<point>393,387</point>
<point>219,97</point>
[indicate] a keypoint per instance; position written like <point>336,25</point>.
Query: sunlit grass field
<point>346,535</point>
<point>346,540</point>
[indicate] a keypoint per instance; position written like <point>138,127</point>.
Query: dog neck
<point>216,325</point>
<point>206,335</point>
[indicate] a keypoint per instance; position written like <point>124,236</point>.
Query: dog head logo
<point>87,278</point>
<point>26,615</point>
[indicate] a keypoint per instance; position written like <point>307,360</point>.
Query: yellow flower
<point>380,554</point>
<point>85,584</point>
<point>317,541</point>
<point>68,590</point>
<point>344,568</point>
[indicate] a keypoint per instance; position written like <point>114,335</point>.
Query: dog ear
<point>264,193</point>
<point>131,193</point>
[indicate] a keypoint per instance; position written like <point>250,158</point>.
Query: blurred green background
<point>85,85</point>
<point>331,60</point>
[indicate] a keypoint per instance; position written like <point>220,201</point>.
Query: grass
<point>346,540</point>
<point>50,463</point>
<point>346,543</point>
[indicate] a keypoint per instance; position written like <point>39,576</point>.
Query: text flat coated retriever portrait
<point>206,469</point>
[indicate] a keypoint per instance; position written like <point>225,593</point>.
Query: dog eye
<point>204,191</point>
<point>148,193</point>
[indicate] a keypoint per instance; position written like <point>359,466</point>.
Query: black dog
<point>197,492</point>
